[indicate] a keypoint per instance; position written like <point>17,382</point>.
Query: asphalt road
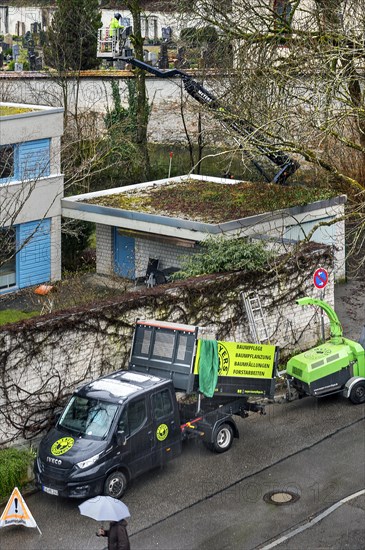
<point>201,500</point>
<point>239,518</point>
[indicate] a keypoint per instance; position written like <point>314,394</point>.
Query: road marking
<point>313,521</point>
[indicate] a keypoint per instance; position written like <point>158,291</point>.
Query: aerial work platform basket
<point>115,45</point>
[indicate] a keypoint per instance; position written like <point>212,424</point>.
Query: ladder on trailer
<point>256,319</point>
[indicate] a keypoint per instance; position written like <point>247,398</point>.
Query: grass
<point>13,316</point>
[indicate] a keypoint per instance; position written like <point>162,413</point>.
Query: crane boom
<point>287,165</point>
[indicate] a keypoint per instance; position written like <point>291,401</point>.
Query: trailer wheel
<point>222,439</point>
<point>357,394</point>
<point>115,485</point>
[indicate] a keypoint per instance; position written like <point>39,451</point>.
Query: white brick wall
<point>104,249</point>
<point>56,248</point>
<point>168,254</point>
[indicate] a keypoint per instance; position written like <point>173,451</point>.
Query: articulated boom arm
<point>335,325</point>
<point>287,165</point>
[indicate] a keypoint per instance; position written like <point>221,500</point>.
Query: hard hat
<point>117,16</point>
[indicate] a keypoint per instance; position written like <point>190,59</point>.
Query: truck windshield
<point>88,417</point>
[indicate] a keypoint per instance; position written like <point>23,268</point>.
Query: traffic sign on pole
<point>320,278</point>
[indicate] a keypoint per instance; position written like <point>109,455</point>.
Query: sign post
<point>171,155</point>
<point>320,280</point>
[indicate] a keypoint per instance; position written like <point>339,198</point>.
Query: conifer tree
<point>72,37</point>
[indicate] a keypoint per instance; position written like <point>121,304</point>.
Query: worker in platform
<point>115,23</point>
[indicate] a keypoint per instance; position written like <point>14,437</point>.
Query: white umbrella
<point>104,508</point>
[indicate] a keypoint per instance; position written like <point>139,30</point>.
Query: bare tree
<point>298,77</point>
<point>15,199</point>
<point>142,109</point>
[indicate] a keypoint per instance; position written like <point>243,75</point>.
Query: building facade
<point>31,188</point>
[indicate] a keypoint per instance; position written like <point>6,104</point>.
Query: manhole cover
<point>280,498</point>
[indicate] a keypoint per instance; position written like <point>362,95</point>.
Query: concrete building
<point>31,187</point>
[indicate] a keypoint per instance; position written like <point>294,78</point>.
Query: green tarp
<point>208,367</point>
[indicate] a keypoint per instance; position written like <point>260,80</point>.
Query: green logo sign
<point>61,446</point>
<point>162,432</point>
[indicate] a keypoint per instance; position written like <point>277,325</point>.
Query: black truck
<point>131,421</point>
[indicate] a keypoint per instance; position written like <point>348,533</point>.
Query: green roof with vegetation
<point>212,202</point>
<point>5,110</point>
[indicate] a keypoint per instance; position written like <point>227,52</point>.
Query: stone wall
<point>43,359</point>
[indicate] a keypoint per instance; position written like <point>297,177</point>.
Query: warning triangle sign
<point>17,512</point>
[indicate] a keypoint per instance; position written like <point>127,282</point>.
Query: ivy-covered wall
<point>43,359</point>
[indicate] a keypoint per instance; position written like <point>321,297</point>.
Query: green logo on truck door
<point>62,445</point>
<point>162,432</point>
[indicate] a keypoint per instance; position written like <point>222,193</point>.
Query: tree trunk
<point>142,110</point>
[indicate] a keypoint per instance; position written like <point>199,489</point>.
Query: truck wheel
<point>115,485</point>
<point>357,394</point>
<point>222,439</point>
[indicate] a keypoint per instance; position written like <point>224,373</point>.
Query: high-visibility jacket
<point>114,24</point>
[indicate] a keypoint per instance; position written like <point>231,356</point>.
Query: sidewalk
<point>350,307</point>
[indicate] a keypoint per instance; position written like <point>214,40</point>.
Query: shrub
<point>11,65</point>
<point>221,254</point>
<point>14,465</point>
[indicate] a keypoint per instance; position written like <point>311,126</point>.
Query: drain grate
<point>281,498</point>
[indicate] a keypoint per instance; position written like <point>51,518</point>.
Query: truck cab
<point>112,430</point>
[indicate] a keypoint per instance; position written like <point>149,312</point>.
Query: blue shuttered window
<point>33,159</point>
<point>34,257</point>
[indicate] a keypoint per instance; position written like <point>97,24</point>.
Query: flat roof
<point>9,110</point>
<point>192,207</point>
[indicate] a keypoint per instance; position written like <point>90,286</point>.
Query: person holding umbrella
<point>117,535</point>
<point>105,508</point>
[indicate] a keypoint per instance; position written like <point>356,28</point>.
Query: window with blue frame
<point>7,258</point>
<point>25,161</point>
<point>6,162</point>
